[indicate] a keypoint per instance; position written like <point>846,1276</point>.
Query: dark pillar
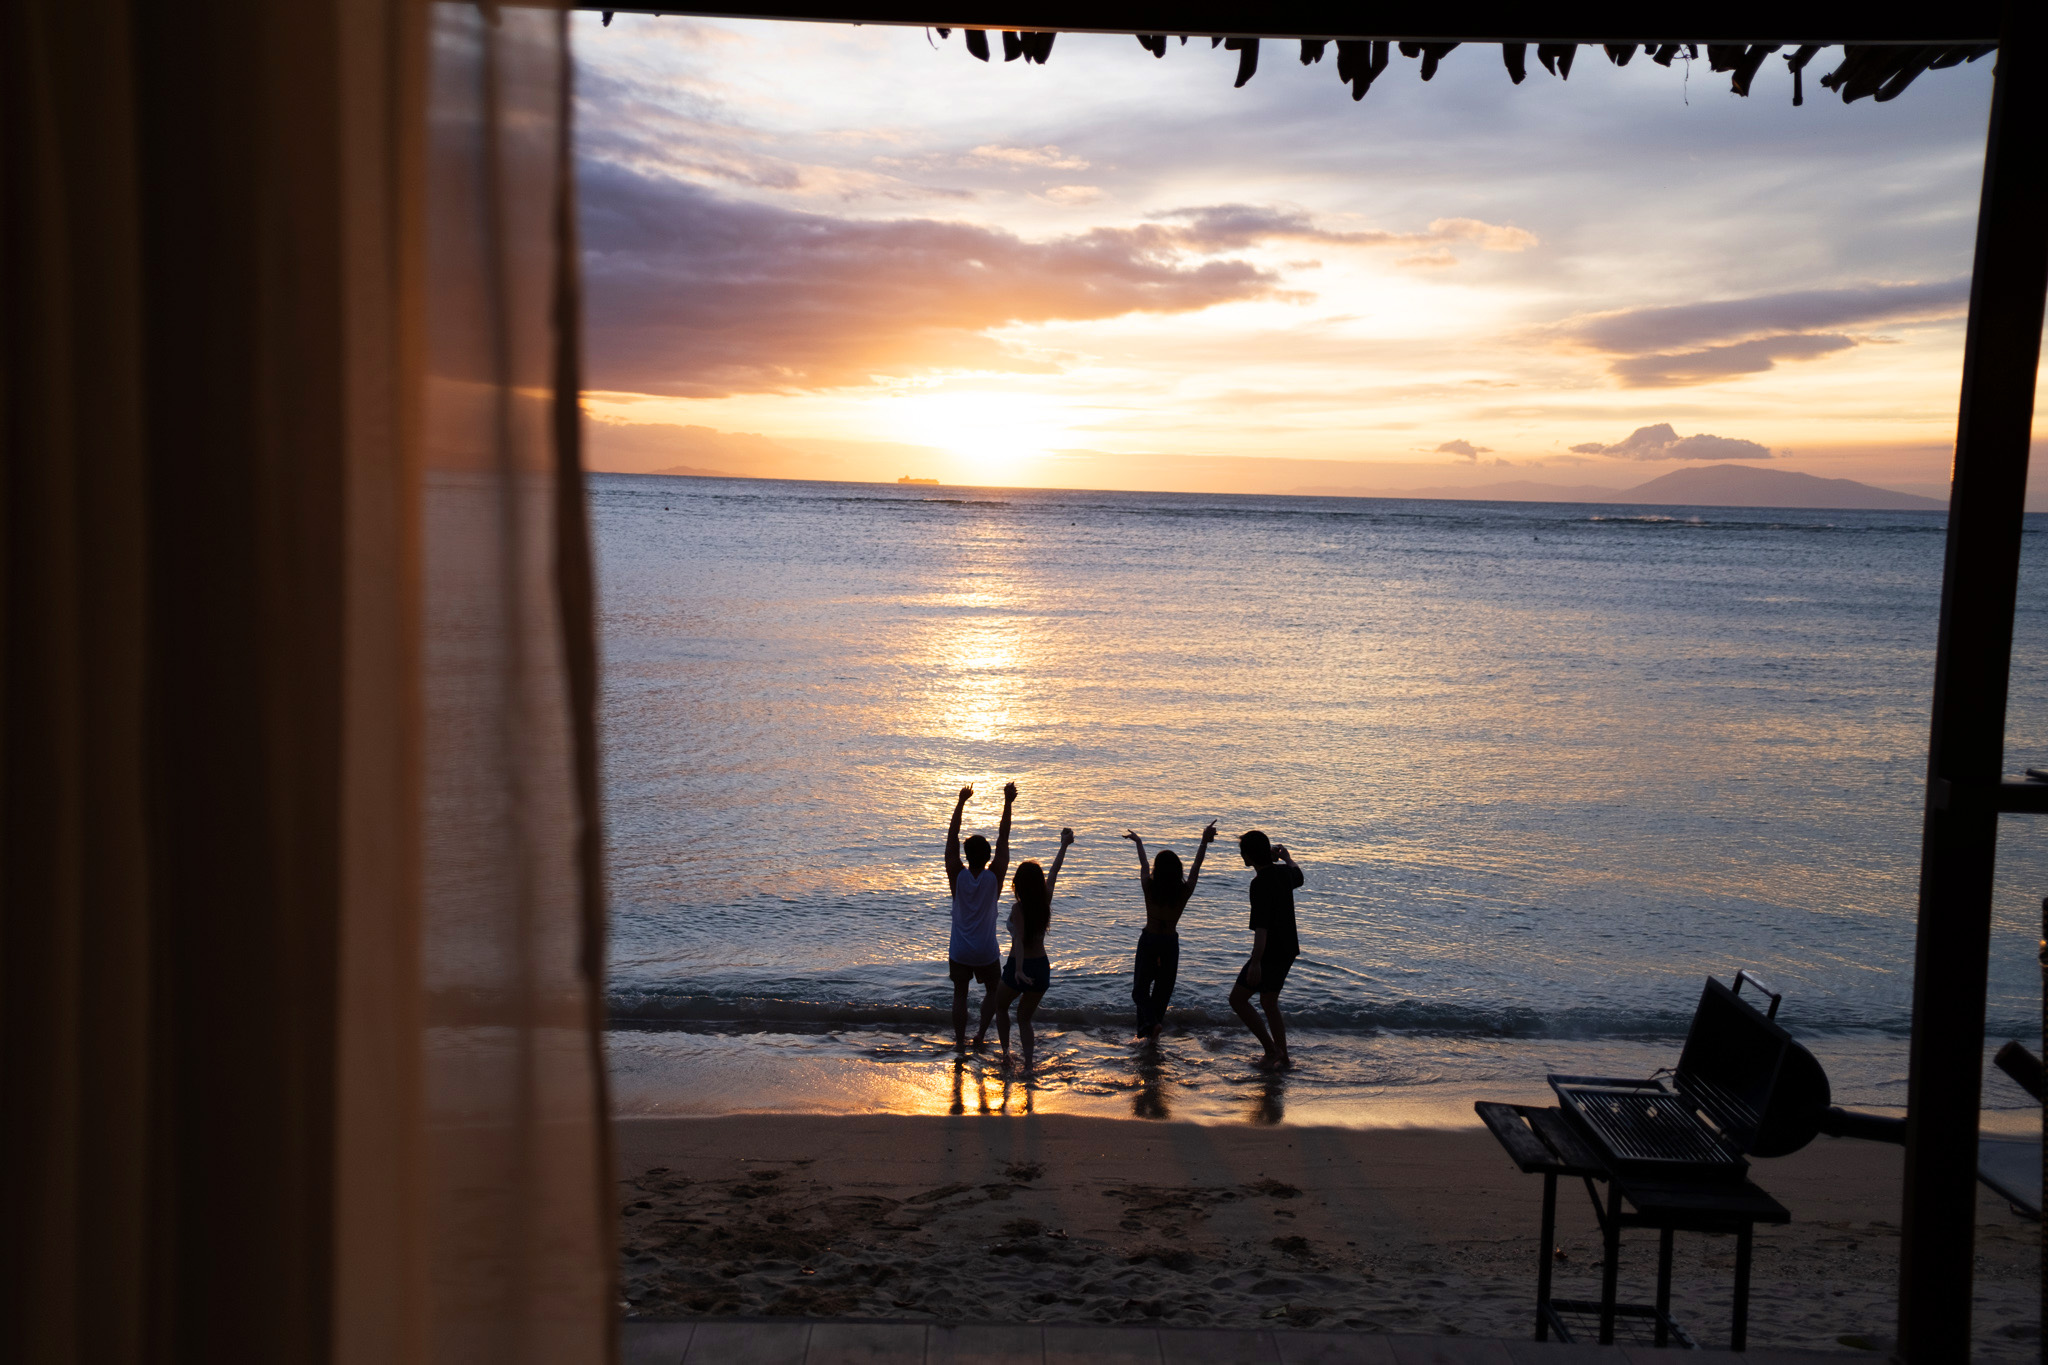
<point>1967,741</point>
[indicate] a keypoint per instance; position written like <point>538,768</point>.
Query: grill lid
<point>1743,1087</point>
<point>1763,1090</point>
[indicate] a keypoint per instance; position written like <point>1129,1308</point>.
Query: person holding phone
<point>1158,960</point>
<point>1275,944</point>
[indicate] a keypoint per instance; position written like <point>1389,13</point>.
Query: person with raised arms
<point>1166,895</point>
<point>1029,971</point>
<point>972,954</point>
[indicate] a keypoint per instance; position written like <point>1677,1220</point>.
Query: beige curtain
<point>299,914</point>
<point>511,958</point>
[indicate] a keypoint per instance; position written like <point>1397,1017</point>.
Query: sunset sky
<point>828,251</point>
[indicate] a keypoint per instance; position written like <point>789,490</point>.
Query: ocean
<point>1546,768</point>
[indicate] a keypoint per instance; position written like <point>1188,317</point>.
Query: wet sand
<point>1071,1219</point>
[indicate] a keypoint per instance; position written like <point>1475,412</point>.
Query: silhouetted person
<point>1158,960</point>
<point>1029,970</point>
<point>1274,944</point>
<point>973,952</point>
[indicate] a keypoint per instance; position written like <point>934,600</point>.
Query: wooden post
<point>1967,741</point>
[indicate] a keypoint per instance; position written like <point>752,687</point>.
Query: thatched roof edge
<point>1824,22</point>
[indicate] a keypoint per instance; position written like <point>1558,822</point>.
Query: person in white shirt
<point>976,885</point>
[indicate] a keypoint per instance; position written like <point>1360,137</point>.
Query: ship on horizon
<point>907,479</point>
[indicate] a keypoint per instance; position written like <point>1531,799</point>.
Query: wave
<point>1650,518</point>
<point>731,1013</point>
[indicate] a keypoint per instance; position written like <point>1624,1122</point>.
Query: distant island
<point>686,471</point>
<point>1713,485</point>
<point>907,479</point>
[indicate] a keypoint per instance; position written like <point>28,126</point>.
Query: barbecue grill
<point>1743,1087</point>
<point>1674,1149</point>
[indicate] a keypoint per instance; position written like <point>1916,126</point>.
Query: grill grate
<point>1736,1116</point>
<point>1636,1124</point>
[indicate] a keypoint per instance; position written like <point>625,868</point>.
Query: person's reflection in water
<point>959,1106</point>
<point>1269,1099</point>
<point>1149,1102</point>
<point>1026,1086</point>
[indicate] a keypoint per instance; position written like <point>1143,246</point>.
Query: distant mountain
<point>614,447</point>
<point>1713,485</point>
<point>1741,485</point>
<point>692,472</point>
<point>1518,490</point>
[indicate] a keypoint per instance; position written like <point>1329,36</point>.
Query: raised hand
<point>1066,837</point>
<point>1009,792</point>
<point>1209,834</point>
<point>965,793</point>
<point>1132,835</point>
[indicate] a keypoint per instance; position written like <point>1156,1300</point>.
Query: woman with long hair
<point>1166,896</point>
<point>1029,970</point>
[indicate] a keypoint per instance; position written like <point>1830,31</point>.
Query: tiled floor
<point>800,1342</point>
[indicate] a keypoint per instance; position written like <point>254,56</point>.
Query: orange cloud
<point>694,294</point>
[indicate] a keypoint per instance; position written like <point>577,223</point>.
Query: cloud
<point>1660,442</point>
<point>1232,227</point>
<point>1634,330</point>
<point>1047,158</point>
<point>1465,448</point>
<point>1728,337</point>
<point>1074,194</point>
<point>1720,362</point>
<point>1489,236</point>
<point>694,294</point>
<point>675,126</point>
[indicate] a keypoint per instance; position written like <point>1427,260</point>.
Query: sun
<point>994,437</point>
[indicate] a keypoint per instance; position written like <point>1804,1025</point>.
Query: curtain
<point>511,958</point>
<point>300,920</point>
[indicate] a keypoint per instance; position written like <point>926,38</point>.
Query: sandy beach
<point>1060,1218</point>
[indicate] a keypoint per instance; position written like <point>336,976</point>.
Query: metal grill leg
<point>1663,1285</point>
<point>1548,1252</point>
<point>1739,1339</point>
<point>1611,1225</point>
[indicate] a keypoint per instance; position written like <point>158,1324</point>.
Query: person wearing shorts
<point>1275,945</point>
<point>1029,971</point>
<point>976,885</point>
